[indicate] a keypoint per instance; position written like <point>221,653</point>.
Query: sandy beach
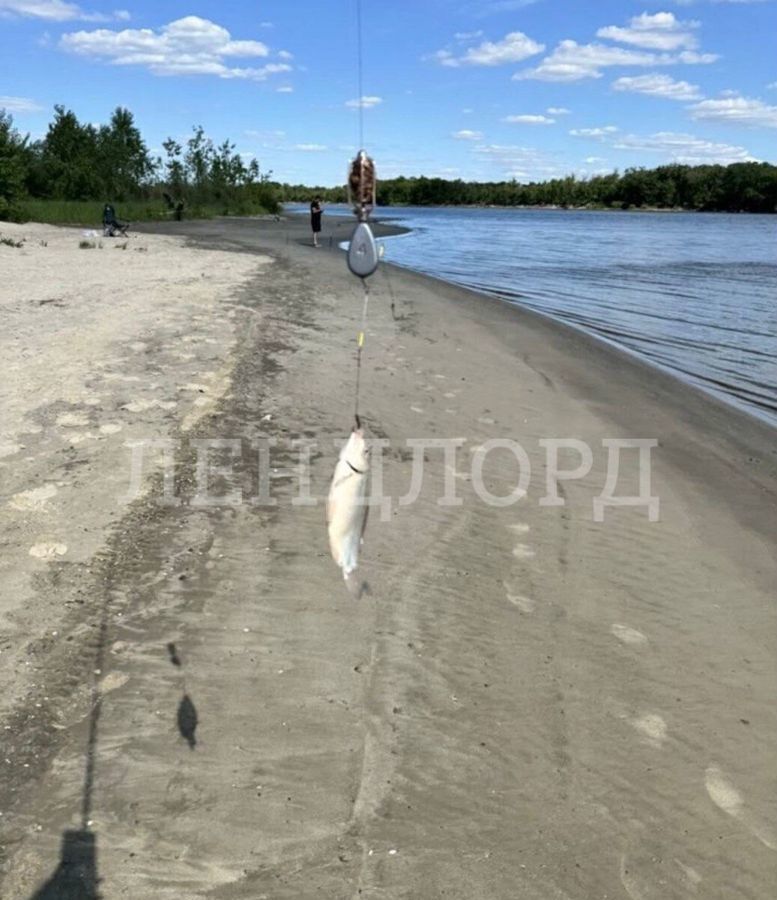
<point>531,700</point>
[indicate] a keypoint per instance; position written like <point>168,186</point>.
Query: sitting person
<point>111,225</point>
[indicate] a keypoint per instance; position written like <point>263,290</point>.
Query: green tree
<point>70,159</point>
<point>124,162</point>
<point>14,163</point>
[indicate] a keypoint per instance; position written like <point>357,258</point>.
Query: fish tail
<point>356,586</point>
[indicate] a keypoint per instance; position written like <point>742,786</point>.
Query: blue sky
<point>477,89</point>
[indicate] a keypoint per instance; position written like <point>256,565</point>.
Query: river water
<point>693,293</point>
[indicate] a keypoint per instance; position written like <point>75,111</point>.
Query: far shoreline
<point>547,208</point>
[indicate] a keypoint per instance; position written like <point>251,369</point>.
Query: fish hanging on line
<point>346,508</point>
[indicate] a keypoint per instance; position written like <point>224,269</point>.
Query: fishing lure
<point>362,251</point>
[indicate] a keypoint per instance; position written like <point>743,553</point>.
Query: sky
<point>473,89</point>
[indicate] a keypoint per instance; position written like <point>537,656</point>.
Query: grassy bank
<point>89,212</point>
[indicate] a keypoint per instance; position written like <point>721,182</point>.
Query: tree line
<point>111,163</point>
<point>76,161</point>
<point>739,187</point>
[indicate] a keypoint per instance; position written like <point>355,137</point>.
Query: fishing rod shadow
<point>75,878</point>
<point>186,714</point>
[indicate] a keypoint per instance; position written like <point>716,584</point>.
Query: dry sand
<point>528,703</point>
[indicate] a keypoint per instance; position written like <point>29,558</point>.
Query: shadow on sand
<point>76,875</point>
<point>186,717</point>
<point>75,878</point>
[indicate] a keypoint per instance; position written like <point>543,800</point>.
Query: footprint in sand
<point>78,437</point>
<point>628,635</point>
<point>9,449</point>
<point>72,420</point>
<point>525,604</point>
<point>520,528</point>
<point>726,797</point>
<point>113,681</point>
<point>691,876</point>
<point>652,727</point>
<point>523,551</point>
<point>48,550</point>
<point>35,499</point>
<point>143,405</point>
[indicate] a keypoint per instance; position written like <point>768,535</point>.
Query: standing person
<point>315,219</point>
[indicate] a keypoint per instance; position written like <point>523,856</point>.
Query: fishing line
<point>384,269</point>
<point>362,251</point>
<point>360,69</point>
<point>359,347</point>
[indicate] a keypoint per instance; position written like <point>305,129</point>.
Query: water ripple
<point>692,293</point>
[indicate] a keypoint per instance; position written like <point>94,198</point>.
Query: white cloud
<point>684,148</point>
<point>285,89</point>
<point>513,47</point>
<point>466,135</point>
<point>592,160</point>
<point>465,36</point>
<point>19,104</point>
<point>656,85</point>
<point>595,133</point>
<point>310,148</point>
<point>679,148</point>
<point>571,61</point>
<point>661,31</point>
<point>52,10</point>
<point>692,58</point>
<point>557,111</point>
<point>56,11</point>
<point>736,111</point>
<point>659,39</point>
<point>284,54</point>
<point>522,163</point>
<point>528,120</point>
<point>772,86</point>
<point>364,102</point>
<point>188,46</point>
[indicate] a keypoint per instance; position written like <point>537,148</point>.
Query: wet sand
<point>528,703</point>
